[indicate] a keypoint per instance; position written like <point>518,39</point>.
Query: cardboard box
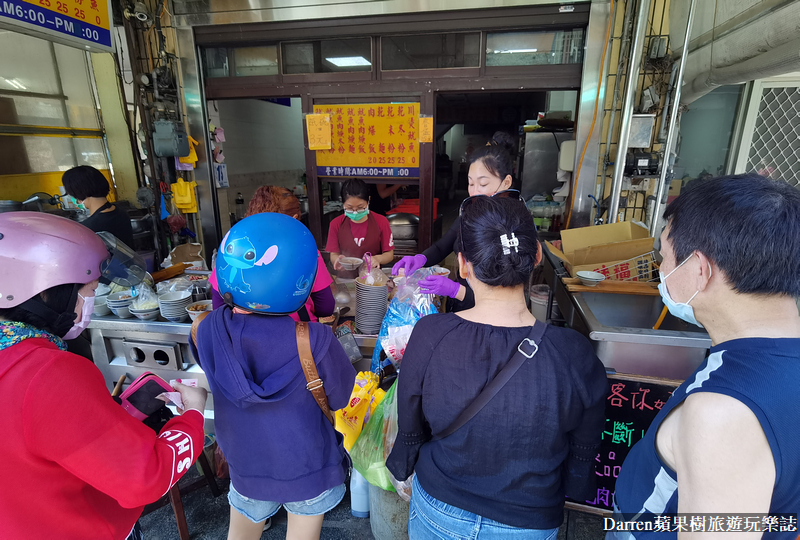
<point>618,250</point>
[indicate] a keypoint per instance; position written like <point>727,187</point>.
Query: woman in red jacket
<point>80,466</point>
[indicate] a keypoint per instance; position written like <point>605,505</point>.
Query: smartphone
<point>139,399</point>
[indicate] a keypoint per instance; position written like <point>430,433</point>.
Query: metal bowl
<point>404,226</point>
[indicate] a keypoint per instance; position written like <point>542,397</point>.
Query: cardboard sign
<point>375,140</point>
<point>426,129</point>
<point>319,131</point>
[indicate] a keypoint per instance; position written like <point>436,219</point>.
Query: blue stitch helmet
<point>267,263</point>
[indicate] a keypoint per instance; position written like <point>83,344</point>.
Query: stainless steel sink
<point>620,328</point>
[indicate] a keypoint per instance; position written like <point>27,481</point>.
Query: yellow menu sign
<point>80,23</point>
<point>319,131</point>
<point>373,140</point>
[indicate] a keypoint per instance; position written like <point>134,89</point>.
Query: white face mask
<point>680,310</point>
<point>83,322</point>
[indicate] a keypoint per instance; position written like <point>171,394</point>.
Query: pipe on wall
<point>666,169</point>
<point>632,77</point>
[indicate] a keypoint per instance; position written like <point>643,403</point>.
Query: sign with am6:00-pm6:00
<point>85,24</point>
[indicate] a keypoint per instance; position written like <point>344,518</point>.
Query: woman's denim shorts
<point>257,511</point>
<point>432,519</point>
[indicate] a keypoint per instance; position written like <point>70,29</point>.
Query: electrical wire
<point>594,116</point>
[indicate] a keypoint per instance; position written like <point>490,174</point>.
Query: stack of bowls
<point>371,304</point>
<point>173,305</point>
<point>101,308</point>
<point>119,302</point>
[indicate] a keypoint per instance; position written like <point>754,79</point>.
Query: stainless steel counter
<point>131,347</point>
<point>619,327</point>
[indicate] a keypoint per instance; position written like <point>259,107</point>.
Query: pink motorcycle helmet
<point>39,251</point>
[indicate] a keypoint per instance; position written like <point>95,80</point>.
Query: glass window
<point>252,61</point>
<point>327,56</point>
<point>39,154</point>
<point>27,64</point>
<point>74,71</point>
<point>32,111</point>
<point>431,51</point>
<point>91,152</point>
<point>534,48</point>
<point>215,62</point>
<point>706,134</point>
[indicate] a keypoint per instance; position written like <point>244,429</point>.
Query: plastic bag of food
<point>369,275</point>
<point>145,298</point>
<point>407,307</point>
<point>369,452</point>
<point>390,435</point>
<point>350,420</point>
<point>178,284</point>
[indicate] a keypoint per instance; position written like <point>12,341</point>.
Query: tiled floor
<point>207,518</point>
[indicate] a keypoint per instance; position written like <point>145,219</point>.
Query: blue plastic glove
<point>411,263</point>
<point>439,285</point>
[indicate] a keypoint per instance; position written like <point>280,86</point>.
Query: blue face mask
<point>681,310</point>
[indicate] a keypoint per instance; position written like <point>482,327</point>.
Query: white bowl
<point>194,314</point>
<point>101,310</point>
<point>147,315</point>
<point>174,297</point>
<point>178,318</point>
<point>350,263</point>
<point>440,271</point>
<point>590,279</point>
<point>122,312</point>
<point>116,298</point>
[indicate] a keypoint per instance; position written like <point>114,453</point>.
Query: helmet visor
<point>124,266</point>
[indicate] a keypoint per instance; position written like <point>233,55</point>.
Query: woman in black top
<point>89,187</point>
<point>506,471</point>
<point>380,197</point>
<point>489,173</point>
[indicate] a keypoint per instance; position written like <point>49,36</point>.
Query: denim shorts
<point>432,519</point>
<point>257,511</point>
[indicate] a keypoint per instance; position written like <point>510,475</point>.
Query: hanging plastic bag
<point>407,307</point>
<point>368,275</point>
<point>369,453</point>
<point>350,420</point>
<point>390,435</point>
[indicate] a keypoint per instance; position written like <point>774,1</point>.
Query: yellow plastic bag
<point>350,420</point>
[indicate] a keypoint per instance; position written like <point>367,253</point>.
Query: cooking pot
<point>10,206</point>
<point>404,226</point>
<point>303,204</point>
<point>141,224</point>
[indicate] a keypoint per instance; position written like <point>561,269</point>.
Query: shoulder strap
<point>196,324</point>
<point>315,384</point>
<point>526,350</point>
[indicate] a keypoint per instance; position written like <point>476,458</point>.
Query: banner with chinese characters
<point>79,23</point>
<point>377,140</point>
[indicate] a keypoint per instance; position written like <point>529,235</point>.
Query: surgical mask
<point>78,204</point>
<point>83,322</point>
<point>681,310</point>
<point>357,216</point>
